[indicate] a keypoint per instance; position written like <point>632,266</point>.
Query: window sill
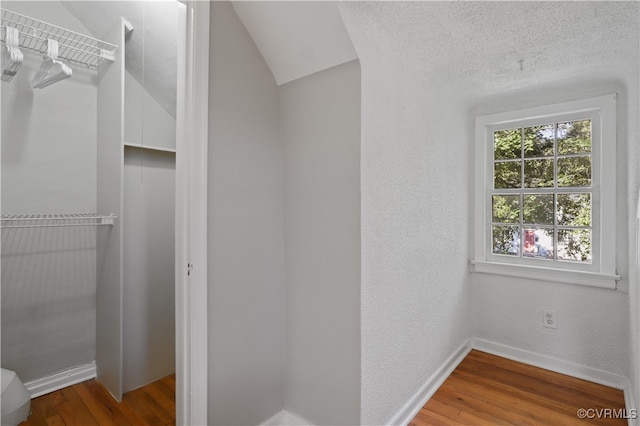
<point>591,279</point>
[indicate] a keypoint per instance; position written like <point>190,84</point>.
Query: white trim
<point>608,153</point>
<point>183,383</point>
<point>629,404</point>
<point>550,363</point>
<point>426,391</point>
<point>63,379</point>
<point>602,272</point>
<point>542,111</point>
<point>191,222</point>
<point>286,418</point>
<point>567,276</point>
<point>198,235</point>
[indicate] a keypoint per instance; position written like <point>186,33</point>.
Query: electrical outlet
<point>550,319</point>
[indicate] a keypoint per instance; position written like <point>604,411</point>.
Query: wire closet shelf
<point>72,46</point>
<point>56,220</point>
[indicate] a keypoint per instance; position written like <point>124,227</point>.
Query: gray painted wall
<point>148,266</point>
<point>146,121</point>
<point>48,166</point>
<point>245,226</point>
<point>320,128</point>
<point>149,233</point>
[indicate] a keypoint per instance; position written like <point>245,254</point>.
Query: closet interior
<point>88,192</point>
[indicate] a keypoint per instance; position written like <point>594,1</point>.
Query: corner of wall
<point>426,391</point>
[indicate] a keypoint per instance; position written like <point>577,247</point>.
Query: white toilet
<point>16,401</point>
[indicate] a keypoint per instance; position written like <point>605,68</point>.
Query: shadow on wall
<point>48,299</point>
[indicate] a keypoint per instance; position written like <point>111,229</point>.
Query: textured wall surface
<point>246,233</point>
<point>414,183</point>
<point>48,166</point>
<point>320,128</point>
<point>427,69</point>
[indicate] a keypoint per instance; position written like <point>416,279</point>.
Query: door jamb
<point>191,219</point>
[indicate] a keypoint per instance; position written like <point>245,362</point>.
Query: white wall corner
<point>426,391</point>
<point>275,420</point>
<point>63,379</point>
<point>286,418</point>
<point>550,363</point>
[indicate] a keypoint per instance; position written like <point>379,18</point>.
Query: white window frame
<point>601,271</point>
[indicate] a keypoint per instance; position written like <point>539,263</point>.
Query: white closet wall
<point>48,166</point>
<point>149,238</point>
<point>147,123</point>
<point>137,140</point>
<point>149,267</point>
<point>109,254</point>
<point>148,216</point>
<point>75,295</point>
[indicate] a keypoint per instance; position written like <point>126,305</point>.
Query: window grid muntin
<point>555,190</point>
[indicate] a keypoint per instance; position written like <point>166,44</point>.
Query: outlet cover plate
<point>550,319</point>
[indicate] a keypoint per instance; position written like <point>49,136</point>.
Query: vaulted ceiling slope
<point>151,53</point>
<point>297,38</point>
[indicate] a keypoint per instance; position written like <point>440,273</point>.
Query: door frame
<point>191,217</point>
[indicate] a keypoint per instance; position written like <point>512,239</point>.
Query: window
<point>545,193</point>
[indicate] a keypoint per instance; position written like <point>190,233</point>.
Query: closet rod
<point>56,220</point>
<point>72,46</point>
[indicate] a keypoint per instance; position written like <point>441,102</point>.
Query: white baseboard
<point>417,401</point>
<point>564,367</point>
<point>550,363</point>
<point>61,380</point>
<point>274,420</point>
<point>286,418</point>
<point>630,404</point>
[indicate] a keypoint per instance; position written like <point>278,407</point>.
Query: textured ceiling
<point>296,38</point>
<point>494,47</point>
<point>485,47</point>
<point>155,26</point>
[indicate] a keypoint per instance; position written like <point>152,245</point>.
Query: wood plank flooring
<point>483,390</point>
<point>489,390</point>
<point>90,404</point>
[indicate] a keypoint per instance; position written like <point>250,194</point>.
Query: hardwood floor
<point>489,390</point>
<point>483,390</point>
<point>89,403</point>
